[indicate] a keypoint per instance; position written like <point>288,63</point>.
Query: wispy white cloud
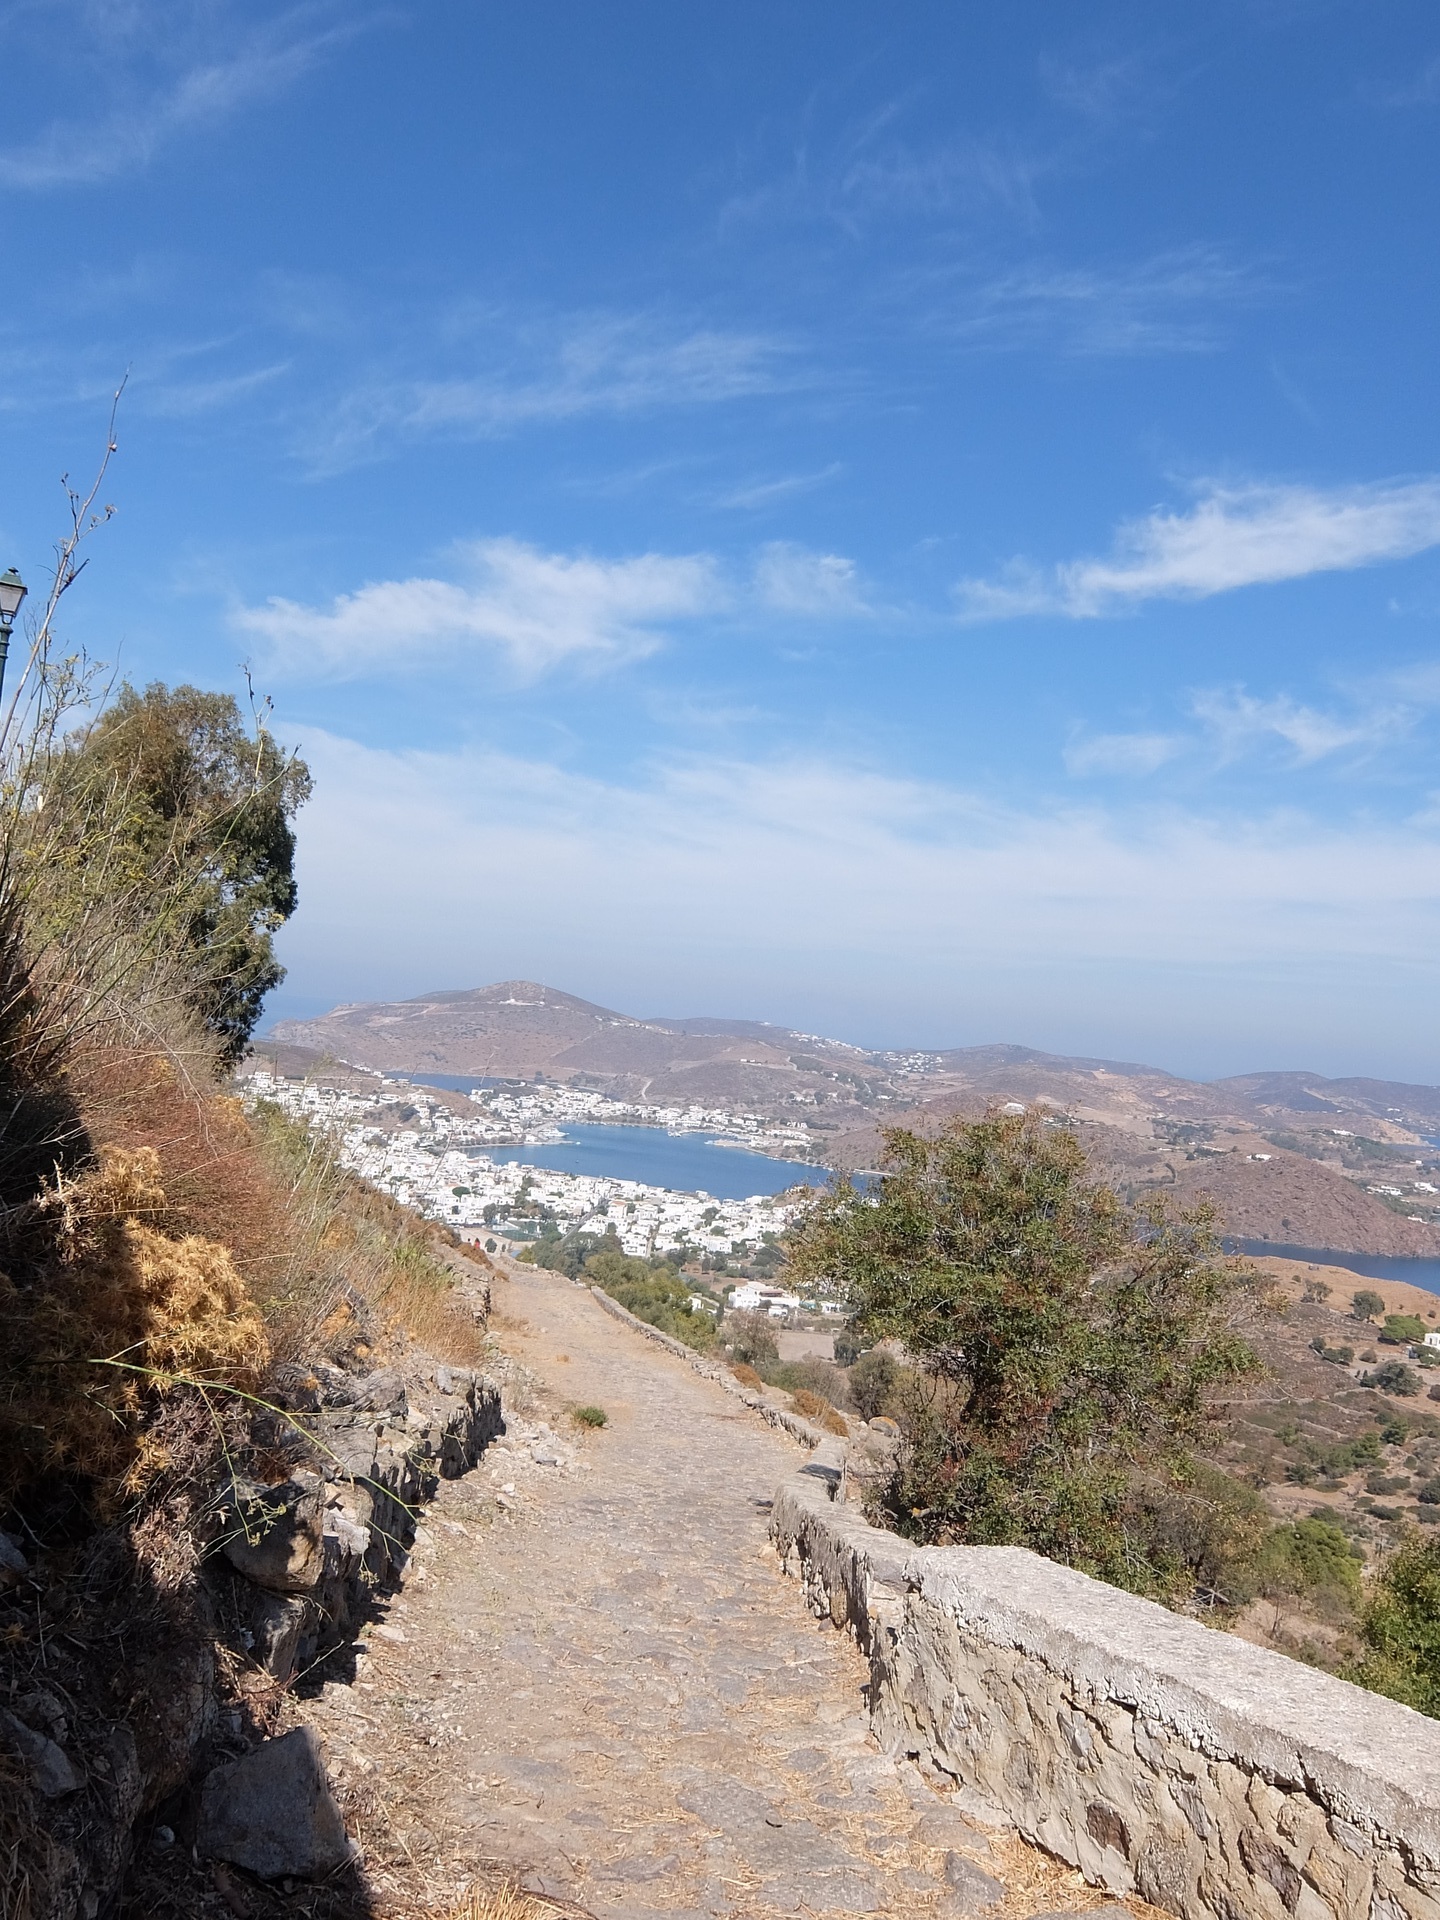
<point>597,364</point>
<point>179,399</point>
<point>1235,536</point>
<point>793,579</point>
<point>160,103</point>
<point>840,880</point>
<point>1229,724</point>
<point>1102,91</point>
<point>1120,753</point>
<point>533,609</point>
<point>764,493</point>
<point>536,610</point>
<point>1237,721</point>
<point>1174,302</point>
<point>866,170</point>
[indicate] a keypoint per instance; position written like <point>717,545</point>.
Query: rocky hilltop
<point>1290,1157</point>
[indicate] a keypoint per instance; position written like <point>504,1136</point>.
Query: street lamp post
<point>12,592</point>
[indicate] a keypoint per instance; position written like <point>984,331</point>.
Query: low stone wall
<point>797,1428</point>
<point>1217,1780</point>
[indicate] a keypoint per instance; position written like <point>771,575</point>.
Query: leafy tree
<point>750,1340</point>
<point>1403,1329</point>
<point>1365,1304</point>
<point>1072,1344</point>
<point>1402,1627</point>
<point>873,1380</point>
<point>1393,1377</point>
<point>194,812</point>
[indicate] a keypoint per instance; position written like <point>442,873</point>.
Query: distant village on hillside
<point>436,1162</point>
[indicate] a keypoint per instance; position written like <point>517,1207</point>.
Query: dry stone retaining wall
<point>1217,1780</point>
<point>799,1429</point>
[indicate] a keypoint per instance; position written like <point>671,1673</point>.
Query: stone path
<point>597,1676</point>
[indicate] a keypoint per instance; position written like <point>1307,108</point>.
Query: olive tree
<point>1072,1347</point>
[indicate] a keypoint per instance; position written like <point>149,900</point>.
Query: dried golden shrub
<point>815,1407</point>
<point>120,1311</point>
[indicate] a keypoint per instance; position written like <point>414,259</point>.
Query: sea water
<point>1371,1266</point>
<point>684,1162</point>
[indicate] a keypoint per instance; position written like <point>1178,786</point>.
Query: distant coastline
<point>1417,1270</point>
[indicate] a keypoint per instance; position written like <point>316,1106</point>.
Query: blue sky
<point>918,523</point>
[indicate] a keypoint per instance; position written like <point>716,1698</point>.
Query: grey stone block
<point>273,1813</point>
<point>972,1890</point>
<point>51,1773</point>
<point>946,1828</point>
<point>13,1564</point>
<point>275,1534</point>
<point>278,1622</point>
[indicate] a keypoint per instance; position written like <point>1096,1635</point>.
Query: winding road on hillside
<point>598,1676</point>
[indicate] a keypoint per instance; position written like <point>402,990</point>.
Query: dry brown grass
<point>814,1406</point>
<point>746,1375</point>
<point>197,1243</point>
<point>510,1903</point>
<point>309,1240</point>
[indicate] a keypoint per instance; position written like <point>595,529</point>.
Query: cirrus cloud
<point>1234,536</point>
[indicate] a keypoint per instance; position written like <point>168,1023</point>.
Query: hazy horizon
<point>300,1011</point>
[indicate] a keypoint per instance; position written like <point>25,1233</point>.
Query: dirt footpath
<point>597,1677</point>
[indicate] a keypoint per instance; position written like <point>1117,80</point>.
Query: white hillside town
<point>436,1163</point>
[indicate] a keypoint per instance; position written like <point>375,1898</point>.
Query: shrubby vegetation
<point>1402,1330</point>
<point>1401,1627</point>
<point>1069,1347</point>
<point>653,1290</point>
<point>160,1251</point>
<point>1056,1360</point>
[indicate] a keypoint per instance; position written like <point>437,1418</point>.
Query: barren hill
<point>1291,1157</point>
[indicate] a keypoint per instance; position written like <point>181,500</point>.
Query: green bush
<point>1393,1376</point>
<point>1403,1330</point>
<point>569,1255</point>
<point>848,1348</point>
<point>1311,1557</point>
<point>591,1416</point>
<point>1401,1627</point>
<point>1070,1345</point>
<point>654,1293</point>
<point>1337,1356</point>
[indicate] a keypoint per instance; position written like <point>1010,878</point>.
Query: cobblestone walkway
<point>597,1675</point>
